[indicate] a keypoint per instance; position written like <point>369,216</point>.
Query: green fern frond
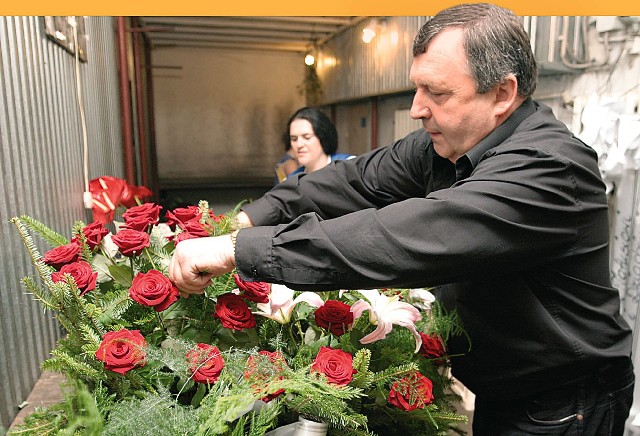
<point>157,414</point>
<point>85,252</point>
<point>62,361</point>
<point>53,238</point>
<point>91,338</point>
<point>363,378</point>
<point>41,293</point>
<point>392,373</point>
<point>450,417</point>
<point>43,269</point>
<point>114,305</point>
<point>265,419</point>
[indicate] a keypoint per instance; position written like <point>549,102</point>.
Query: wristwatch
<point>234,237</point>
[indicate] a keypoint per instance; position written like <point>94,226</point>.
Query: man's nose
<point>419,108</point>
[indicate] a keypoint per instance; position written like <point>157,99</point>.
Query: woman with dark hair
<point>314,139</point>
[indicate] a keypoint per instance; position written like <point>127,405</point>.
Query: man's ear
<point>506,96</point>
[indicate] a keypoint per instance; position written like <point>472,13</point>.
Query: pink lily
<point>385,311</point>
<point>281,303</point>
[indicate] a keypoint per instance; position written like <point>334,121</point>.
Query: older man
<point>495,202</point>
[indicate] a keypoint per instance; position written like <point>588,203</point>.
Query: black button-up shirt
<point>515,236</point>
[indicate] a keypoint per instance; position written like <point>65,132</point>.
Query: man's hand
<point>196,261</point>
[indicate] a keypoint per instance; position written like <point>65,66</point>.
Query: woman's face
<point>306,145</point>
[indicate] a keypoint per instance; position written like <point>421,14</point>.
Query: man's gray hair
<point>495,43</point>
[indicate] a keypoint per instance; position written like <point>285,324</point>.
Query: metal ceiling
<point>294,34</point>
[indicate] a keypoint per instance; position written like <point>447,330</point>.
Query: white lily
<point>281,303</point>
<point>385,311</point>
<point>421,298</point>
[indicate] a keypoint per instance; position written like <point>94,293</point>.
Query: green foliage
<point>154,415</point>
<point>77,414</point>
<point>160,396</point>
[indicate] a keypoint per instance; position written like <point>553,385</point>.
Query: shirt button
<point>254,271</point>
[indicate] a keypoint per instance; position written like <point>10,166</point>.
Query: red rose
<point>412,392</point>
<point>62,255</point>
<point>153,289</point>
<point>94,233</point>
<point>205,363</point>
<point>123,350</point>
<point>195,228</point>
<point>182,215</point>
<point>131,242</point>
<point>233,312</point>
<point>216,218</point>
<point>183,236</point>
<point>142,217</point>
<point>82,274</point>
<point>432,347</point>
<point>257,292</point>
<point>261,369</point>
<point>336,365</point>
<point>334,316</point>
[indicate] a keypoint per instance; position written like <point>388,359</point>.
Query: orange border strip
<point>295,7</point>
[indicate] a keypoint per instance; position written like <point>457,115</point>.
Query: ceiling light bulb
<point>309,59</point>
<point>368,35</point>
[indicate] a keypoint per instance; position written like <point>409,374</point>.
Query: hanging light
<point>368,33</point>
<point>309,59</point>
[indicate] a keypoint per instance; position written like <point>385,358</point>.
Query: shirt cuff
<point>254,253</point>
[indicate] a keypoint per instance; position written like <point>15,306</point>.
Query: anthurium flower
<point>281,303</point>
<point>133,194</point>
<point>385,311</point>
<point>106,192</point>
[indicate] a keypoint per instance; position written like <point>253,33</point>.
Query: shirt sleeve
<point>372,180</point>
<point>520,205</point>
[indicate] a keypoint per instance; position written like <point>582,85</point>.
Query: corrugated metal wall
<point>350,69</point>
<point>41,161</point>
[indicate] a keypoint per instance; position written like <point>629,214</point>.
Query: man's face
<point>446,101</point>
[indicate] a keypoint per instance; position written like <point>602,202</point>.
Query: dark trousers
<point>598,405</point>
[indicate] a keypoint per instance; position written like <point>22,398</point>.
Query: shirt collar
<point>466,163</point>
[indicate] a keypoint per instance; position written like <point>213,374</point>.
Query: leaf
<point>121,274</point>
<point>202,390</point>
<point>240,339</point>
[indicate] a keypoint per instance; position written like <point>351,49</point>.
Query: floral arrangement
<point>244,358</point>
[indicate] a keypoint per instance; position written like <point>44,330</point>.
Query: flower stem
<point>150,259</point>
<point>160,320</point>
